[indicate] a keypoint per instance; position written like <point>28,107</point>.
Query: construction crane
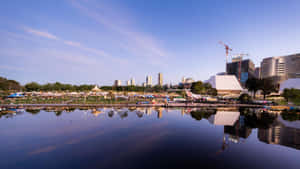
<point>227,48</point>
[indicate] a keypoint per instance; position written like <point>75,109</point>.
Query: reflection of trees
<point>290,116</point>
<point>83,108</point>
<point>70,109</point>
<point>244,110</point>
<point>111,113</point>
<point>123,114</point>
<point>259,120</point>
<point>58,112</point>
<point>199,114</point>
<point>33,111</point>
<point>139,114</point>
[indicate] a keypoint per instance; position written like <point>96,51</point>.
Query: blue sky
<point>96,42</point>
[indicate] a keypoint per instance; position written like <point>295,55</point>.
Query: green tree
<point>33,86</point>
<point>287,94</point>
<point>245,98</point>
<point>6,84</point>
<point>210,90</point>
<point>198,87</point>
<point>267,86</point>
<point>33,111</point>
<point>291,95</point>
<point>253,85</point>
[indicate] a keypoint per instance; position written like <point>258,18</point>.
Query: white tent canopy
<point>225,82</point>
<point>96,89</point>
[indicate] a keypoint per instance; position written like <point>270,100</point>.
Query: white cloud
<point>137,43</point>
<point>71,43</point>
<point>44,34</point>
<point>82,47</point>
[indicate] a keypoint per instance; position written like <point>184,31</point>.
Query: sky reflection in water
<point>149,138</point>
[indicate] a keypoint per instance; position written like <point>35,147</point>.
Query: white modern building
<point>281,68</point>
<point>225,84</point>
<point>290,83</point>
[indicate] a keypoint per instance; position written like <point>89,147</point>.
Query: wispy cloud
<point>44,34</point>
<point>91,50</point>
<point>137,43</point>
<point>43,150</point>
<point>69,43</point>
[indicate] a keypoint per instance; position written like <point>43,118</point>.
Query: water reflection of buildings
<point>281,132</point>
<point>96,112</point>
<point>148,111</point>
<point>159,112</point>
<point>235,130</point>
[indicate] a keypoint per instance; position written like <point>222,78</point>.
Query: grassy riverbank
<point>69,100</point>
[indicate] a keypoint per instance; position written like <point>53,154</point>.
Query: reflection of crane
<point>225,144</point>
<point>227,48</point>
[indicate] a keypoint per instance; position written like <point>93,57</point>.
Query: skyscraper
<point>242,69</point>
<point>118,83</point>
<point>132,82</point>
<point>149,80</point>
<point>281,68</point>
<point>160,79</point>
<point>257,72</point>
<point>128,83</point>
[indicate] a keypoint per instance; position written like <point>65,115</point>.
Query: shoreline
<point>195,105</point>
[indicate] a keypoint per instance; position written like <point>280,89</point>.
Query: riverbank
<point>129,105</point>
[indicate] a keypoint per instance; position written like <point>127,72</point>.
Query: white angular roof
<point>96,89</point>
<point>225,82</point>
<point>290,83</point>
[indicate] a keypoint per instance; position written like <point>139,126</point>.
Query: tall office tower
<point>160,79</point>
<point>257,72</point>
<point>281,68</point>
<point>118,83</point>
<point>128,83</point>
<point>242,69</point>
<point>132,82</point>
<point>149,80</point>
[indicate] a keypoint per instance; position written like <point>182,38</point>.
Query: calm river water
<point>149,138</point>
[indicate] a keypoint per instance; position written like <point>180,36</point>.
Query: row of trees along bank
<point>265,85</point>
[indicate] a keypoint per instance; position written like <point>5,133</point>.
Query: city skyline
<point>77,42</point>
